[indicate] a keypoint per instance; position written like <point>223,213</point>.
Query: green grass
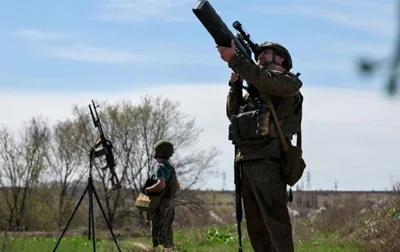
<point>219,239</point>
<point>42,244</point>
<point>32,244</point>
<point>328,243</point>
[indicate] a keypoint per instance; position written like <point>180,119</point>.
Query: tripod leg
<point>72,216</point>
<point>89,210</point>
<point>90,225</point>
<point>108,223</point>
<point>91,218</point>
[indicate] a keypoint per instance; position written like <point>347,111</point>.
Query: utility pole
<point>223,181</point>
<point>308,181</point>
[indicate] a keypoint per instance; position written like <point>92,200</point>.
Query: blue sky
<point>119,44</point>
<point>59,53</point>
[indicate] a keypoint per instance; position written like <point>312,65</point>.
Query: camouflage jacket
<point>282,87</point>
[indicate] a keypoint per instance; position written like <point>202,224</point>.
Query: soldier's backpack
<point>294,164</point>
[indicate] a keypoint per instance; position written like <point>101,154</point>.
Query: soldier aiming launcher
<point>245,47</point>
<point>105,151</point>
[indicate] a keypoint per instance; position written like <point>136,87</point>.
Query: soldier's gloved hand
<point>236,79</point>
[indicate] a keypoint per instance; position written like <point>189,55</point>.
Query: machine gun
<point>105,151</point>
<point>223,36</point>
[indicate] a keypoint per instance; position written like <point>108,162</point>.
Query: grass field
<point>82,244</point>
<point>347,226</point>
<point>202,240</point>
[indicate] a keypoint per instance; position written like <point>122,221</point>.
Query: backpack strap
<point>281,136</point>
<point>278,126</point>
<point>298,140</point>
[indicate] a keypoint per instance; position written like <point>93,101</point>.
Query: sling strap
<point>169,184</point>
<point>278,126</point>
<point>285,145</point>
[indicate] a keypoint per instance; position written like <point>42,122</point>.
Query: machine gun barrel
<point>106,150</point>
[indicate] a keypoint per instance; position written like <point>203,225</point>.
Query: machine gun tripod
<point>91,190</point>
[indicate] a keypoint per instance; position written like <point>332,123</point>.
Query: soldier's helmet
<point>164,148</point>
<point>279,50</point>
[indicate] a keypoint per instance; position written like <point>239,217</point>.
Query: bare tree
<point>121,126</point>
<point>63,152</point>
<point>118,123</point>
<point>23,163</point>
<point>161,119</point>
<point>133,130</point>
<point>65,164</point>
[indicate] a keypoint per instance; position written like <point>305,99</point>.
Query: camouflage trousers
<point>161,224</point>
<point>265,204</point>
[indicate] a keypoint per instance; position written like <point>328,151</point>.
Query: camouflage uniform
<point>161,228</point>
<point>264,192</point>
<point>161,224</point>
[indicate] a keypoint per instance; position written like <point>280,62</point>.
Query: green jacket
<point>283,88</point>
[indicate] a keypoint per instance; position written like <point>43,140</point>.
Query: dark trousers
<point>161,224</point>
<point>265,204</point>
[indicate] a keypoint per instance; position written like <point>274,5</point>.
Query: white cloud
<point>40,35</point>
<point>349,136</point>
<point>77,52</point>
<point>345,46</point>
<point>140,10</point>
<point>374,18</point>
<point>342,66</point>
<point>94,54</point>
<point>54,44</point>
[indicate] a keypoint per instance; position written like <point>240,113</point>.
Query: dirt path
<point>142,247</point>
<point>146,248</point>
